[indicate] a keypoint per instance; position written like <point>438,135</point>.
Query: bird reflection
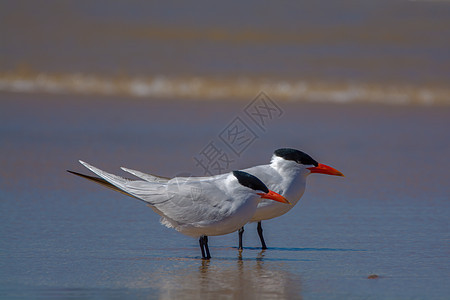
<point>240,278</point>
<point>260,255</point>
<point>204,266</point>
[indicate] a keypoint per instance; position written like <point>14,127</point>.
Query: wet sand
<point>379,233</point>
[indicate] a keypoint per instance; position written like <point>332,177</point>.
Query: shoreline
<point>209,89</point>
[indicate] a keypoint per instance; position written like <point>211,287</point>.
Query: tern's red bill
<point>324,169</point>
<point>274,196</point>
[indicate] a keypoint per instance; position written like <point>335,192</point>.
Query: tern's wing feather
<point>102,182</point>
<point>146,177</point>
<point>152,193</point>
<point>157,178</point>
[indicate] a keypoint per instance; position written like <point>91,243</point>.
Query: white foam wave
<point>203,88</point>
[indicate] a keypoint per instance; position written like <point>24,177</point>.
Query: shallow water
<point>62,237</point>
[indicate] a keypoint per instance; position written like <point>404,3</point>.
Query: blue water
<point>63,237</point>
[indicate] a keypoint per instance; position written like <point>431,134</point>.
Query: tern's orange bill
<point>324,169</point>
<point>274,196</point>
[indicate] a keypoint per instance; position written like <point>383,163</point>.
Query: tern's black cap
<point>296,155</point>
<point>250,181</point>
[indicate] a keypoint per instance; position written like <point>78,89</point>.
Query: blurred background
<point>362,86</point>
<point>368,51</point>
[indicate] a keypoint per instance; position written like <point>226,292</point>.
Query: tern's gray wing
<point>151,193</point>
<point>190,200</point>
<point>146,177</point>
<point>162,179</point>
<point>182,200</point>
<point>196,202</point>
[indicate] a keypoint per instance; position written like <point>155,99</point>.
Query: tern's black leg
<point>241,232</point>
<point>260,233</point>
<point>202,243</point>
<point>208,256</point>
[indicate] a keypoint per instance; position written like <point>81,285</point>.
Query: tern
<point>286,174</point>
<point>195,206</point>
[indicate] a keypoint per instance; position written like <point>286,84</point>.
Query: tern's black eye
<point>250,181</point>
<point>296,155</point>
